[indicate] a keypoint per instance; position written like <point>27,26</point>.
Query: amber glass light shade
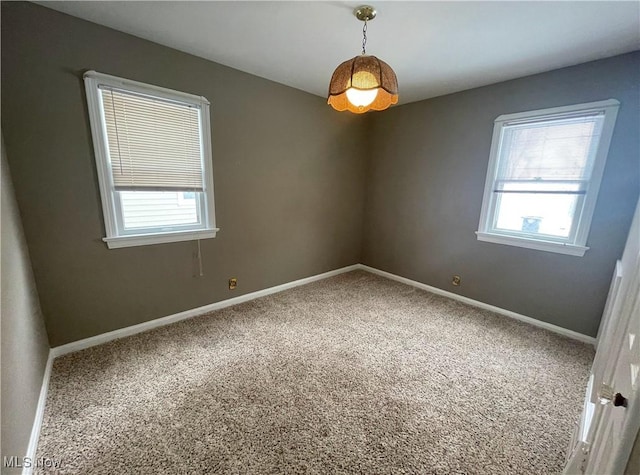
<point>361,77</point>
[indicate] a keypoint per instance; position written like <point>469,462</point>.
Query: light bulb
<point>361,98</point>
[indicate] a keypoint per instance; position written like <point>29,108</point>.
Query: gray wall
<point>425,185</point>
<point>288,171</point>
<point>24,339</point>
<point>292,180</point>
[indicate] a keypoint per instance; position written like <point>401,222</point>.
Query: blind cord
<point>200,259</point>
<point>115,120</point>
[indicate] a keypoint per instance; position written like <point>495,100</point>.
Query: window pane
<point>159,209</point>
<point>535,213</point>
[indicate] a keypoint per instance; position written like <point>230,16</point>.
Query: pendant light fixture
<point>363,83</point>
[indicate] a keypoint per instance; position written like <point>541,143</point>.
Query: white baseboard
<point>507,313</point>
<point>160,322</point>
<point>37,421</point>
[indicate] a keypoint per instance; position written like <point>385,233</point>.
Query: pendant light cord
<point>364,38</point>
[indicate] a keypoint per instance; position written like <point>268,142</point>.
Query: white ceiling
<point>435,47</point>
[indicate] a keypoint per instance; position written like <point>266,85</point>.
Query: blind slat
<point>541,192</point>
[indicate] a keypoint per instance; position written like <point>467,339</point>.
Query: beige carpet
<point>353,374</point>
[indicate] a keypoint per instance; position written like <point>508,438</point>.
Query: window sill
<point>548,246</point>
<point>148,239</point>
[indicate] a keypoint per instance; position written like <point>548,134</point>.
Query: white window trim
<point>114,240</point>
<point>578,247</point>
<point>144,239</point>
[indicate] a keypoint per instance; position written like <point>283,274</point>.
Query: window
<point>153,155</point>
<point>543,176</point>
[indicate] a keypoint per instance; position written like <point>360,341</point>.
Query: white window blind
<point>154,144</point>
<point>562,149</point>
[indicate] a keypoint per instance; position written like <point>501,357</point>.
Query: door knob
<point>606,395</point>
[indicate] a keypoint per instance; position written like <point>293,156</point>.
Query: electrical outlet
<point>233,283</point>
<point>456,280</point>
